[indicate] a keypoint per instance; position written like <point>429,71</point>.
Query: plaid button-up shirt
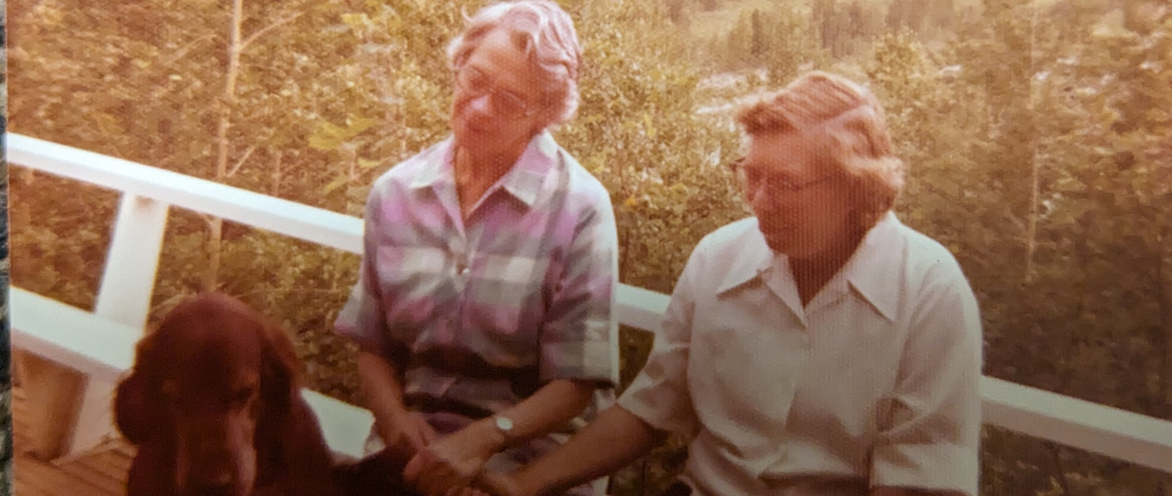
<point>480,313</point>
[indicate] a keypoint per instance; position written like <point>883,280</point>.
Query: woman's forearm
<point>901,491</point>
<point>456,459</point>
<point>612,441</point>
<point>384,395</point>
<point>552,406</point>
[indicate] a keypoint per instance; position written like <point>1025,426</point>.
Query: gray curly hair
<point>545,33</point>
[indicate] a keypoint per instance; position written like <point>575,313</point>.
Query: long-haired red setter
<point>214,407</point>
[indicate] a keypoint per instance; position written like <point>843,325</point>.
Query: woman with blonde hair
<point>818,348</point>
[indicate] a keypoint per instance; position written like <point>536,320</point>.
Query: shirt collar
<point>874,269</point>
<point>871,270</point>
<point>524,180</point>
<point>751,261</point>
<point>436,162</point>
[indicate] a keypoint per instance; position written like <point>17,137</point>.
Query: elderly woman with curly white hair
<point>484,307</point>
<point>818,348</point>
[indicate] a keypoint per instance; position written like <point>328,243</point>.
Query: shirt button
<point>465,271</point>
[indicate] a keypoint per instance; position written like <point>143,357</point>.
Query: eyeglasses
<point>504,103</point>
<point>751,179</point>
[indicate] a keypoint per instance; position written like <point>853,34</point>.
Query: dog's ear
<point>139,412</point>
<point>280,382</point>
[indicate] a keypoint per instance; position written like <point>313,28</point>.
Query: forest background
<point>1038,136</point>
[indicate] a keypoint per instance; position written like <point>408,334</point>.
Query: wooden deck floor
<point>101,473</point>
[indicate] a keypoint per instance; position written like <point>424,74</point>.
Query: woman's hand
<point>496,484</point>
<point>399,428</point>
<point>491,484</point>
<point>409,430</point>
<point>451,463</point>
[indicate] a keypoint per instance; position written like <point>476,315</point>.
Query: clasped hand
<point>449,465</point>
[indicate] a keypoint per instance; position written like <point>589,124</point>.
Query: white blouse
<point>874,383</point>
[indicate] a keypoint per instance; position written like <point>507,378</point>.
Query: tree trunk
<point>278,156</point>
<point>1164,296</point>
<point>1032,220</point>
<point>355,192</point>
<point>216,228</point>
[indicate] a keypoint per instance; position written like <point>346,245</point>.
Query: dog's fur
<point>214,407</point>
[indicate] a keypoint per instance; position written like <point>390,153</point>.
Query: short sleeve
<point>361,319</point>
<point>659,393</point>
<point>931,439</point>
<point>580,334</point>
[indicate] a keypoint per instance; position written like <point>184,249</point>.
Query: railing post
<point>128,280</point>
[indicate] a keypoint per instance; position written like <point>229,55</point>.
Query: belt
<point>427,403</point>
<point>461,363</point>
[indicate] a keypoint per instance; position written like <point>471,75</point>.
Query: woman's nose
<point>762,201</point>
<point>481,104</point>
<point>221,486</point>
<point>773,208</point>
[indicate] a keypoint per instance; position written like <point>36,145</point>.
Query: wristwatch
<point>505,425</point>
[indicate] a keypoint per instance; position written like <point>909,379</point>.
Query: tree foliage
<point>1036,138</point>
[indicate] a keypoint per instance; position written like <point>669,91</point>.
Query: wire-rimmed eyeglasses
<point>751,179</point>
<point>504,103</point>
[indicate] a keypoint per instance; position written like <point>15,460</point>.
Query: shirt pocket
<point>415,282</point>
<point>505,296</point>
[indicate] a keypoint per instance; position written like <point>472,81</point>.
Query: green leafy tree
<point>1035,137</point>
<point>1042,202</point>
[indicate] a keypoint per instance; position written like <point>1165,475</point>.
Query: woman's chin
<point>781,245</point>
<point>791,246</point>
<point>777,236</point>
<point>474,140</point>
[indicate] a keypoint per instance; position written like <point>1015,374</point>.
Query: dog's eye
<point>242,395</point>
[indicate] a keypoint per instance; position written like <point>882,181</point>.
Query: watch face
<point>504,423</point>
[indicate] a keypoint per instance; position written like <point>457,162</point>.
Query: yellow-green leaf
<point>335,184</point>
<point>324,141</point>
<point>354,21</point>
<point>355,126</point>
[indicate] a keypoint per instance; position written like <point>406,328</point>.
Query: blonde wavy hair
<point>849,124</point>
<point>546,34</point>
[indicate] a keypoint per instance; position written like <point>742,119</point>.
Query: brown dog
<point>214,407</point>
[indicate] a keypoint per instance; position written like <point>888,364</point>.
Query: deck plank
<point>100,473</point>
<point>84,471</point>
<point>111,464</point>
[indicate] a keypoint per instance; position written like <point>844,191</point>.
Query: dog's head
<point>210,381</point>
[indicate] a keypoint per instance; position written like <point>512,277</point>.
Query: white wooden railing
<point>128,279</point>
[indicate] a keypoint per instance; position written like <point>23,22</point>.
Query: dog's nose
<point>213,490</point>
<point>221,485</point>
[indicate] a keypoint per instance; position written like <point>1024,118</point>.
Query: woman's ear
<point>139,412</point>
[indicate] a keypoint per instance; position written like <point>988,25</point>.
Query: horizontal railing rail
<point>104,350</point>
<point>1117,433</point>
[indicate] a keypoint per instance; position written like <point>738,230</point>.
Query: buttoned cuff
<point>946,467</point>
